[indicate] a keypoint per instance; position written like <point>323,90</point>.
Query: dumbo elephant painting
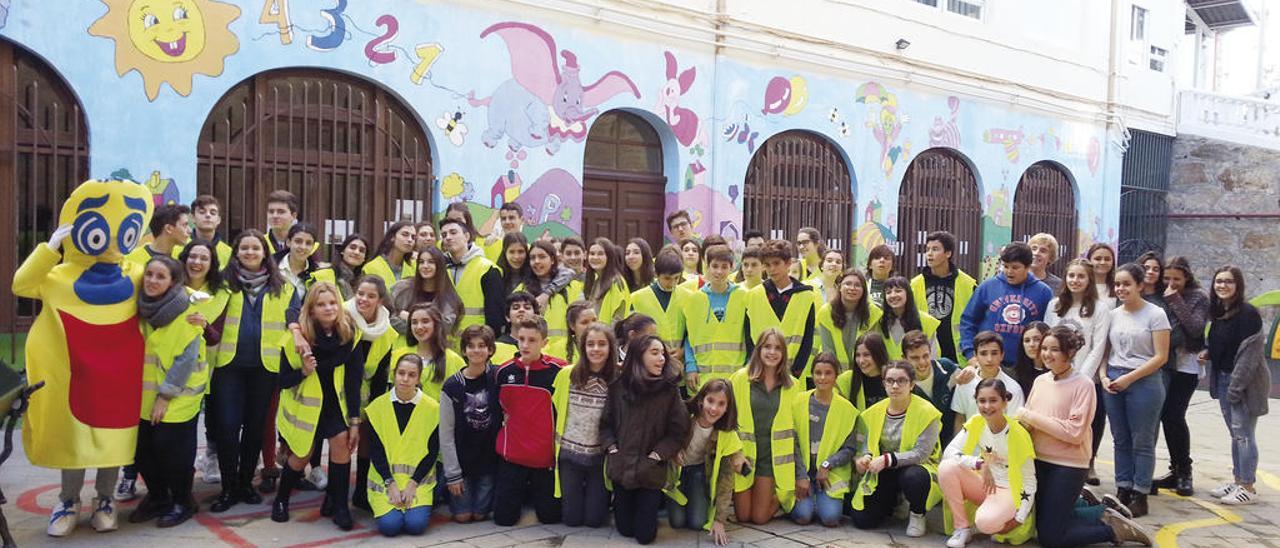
<point>543,104</point>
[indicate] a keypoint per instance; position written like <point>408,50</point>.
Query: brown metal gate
<point>44,154</point>
<point>623,186</point>
<point>799,179</point>
<point>356,158</point>
<point>1045,202</point>
<point>939,192</point>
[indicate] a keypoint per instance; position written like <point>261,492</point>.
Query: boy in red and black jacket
<point>526,445</point>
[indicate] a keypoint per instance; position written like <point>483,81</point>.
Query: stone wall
<point>1212,178</point>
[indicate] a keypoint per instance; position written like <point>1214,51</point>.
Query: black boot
<point>1167,481</point>
<point>1125,495</point>
<point>230,495</point>
<point>338,490</point>
<point>280,508</point>
<point>248,494</point>
<point>360,498</point>
<point>1184,486</point>
<point>1138,504</point>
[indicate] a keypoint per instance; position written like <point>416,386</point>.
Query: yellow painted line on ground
<point>1270,479</point>
<point>1167,536</point>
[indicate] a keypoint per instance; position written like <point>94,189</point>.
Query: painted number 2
<point>337,35</point>
<point>372,50</point>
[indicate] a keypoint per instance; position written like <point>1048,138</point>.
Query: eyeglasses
<point>896,382</point>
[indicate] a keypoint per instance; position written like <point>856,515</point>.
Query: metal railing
<point>1045,202</point>
<point>939,192</point>
<point>798,179</point>
<point>1243,120</point>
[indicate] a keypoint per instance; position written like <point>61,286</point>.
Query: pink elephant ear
<point>671,65</point>
<point>686,79</point>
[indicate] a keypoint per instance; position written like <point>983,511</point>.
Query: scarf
<point>368,331</point>
<point>252,282</point>
<point>162,310</point>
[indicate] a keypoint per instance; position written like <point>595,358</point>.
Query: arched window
<point>798,179</point>
<point>353,154</point>
<point>939,192</point>
<point>44,154</point>
<point>623,186</point>
<point>1045,202</point>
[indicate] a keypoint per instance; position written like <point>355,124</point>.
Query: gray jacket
<point>1250,382</point>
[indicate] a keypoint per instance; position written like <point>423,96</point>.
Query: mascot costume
<point>86,345</point>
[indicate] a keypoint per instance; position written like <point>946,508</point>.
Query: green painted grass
<point>12,350</point>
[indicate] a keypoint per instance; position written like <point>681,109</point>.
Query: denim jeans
<point>584,500</point>
<point>1243,429</point>
<point>826,508</point>
<point>1134,415</point>
<point>413,521</point>
<point>693,515</point>
<point>477,496</point>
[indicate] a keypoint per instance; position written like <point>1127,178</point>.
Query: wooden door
<point>623,187</point>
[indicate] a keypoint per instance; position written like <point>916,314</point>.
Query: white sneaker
<point>209,469</point>
<point>318,478</point>
<point>960,538</point>
<point>62,521</point>
<point>126,490</point>
<point>104,515</point>
<point>1239,497</point>
<point>1222,490</point>
<point>916,525</point>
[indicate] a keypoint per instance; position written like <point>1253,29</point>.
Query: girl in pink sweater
<point>1058,416</point>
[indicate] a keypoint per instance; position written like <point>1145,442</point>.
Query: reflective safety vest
<point>467,284</point>
<point>324,274</point>
<point>453,363</point>
<point>404,449</point>
<point>163,346</point>
<point>379,349</point>
<point>727,443</point>
<point>844,387</point>
<point>920,414</point>
<point>613,306</point>
<point>719,346</point>
<point>274,334</point>
<point>560,401</point>
<point>782,438</point>
<point>1020,449</point>
<point>556,316</point>
<point>928,324</point>
<point>836,429</point>
<point>963,291</point>
<point>820,286</point>
<point>503,352</point>
<point>844,355</point>
<point>670,321</point>
<point>378,266</point>
<point>300,405</point>
<point>791,323</point>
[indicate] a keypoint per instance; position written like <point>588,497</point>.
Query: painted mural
<point>507,101</point>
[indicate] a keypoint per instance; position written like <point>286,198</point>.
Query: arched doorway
<point>623,186</point>
<point>1045,202</point>
<point>353,154</point>
<point>44,154</point>
<point>939,192</point>
<point>798,179</point>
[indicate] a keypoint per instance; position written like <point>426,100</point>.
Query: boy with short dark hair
<point>943,290</point>
<point>934,378</point>
<point>715,323</point>
<point>520,306</point>
<point>206,215</point>
<point>170,228</point>
<point>989,351</point>
<point>469,421</point>
<point>510,221</point>
<point>751,271</point>
<point>664,301</point>
<point>526,452</point>
<point>282,214</point>
<point>680,225</point>
<point>1005,304</point>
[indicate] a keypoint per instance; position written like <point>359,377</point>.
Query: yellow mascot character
<point>86,345</point>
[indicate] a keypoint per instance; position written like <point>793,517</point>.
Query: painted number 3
<point>337,35</point>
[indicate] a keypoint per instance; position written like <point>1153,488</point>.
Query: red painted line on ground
<point>222,531</point>
<point>335,540</point>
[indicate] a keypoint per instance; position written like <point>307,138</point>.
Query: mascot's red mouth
<point>175,48</point>
<point>106,371</point>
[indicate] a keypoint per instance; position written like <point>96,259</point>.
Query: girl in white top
<point>1103,261</point>
<point>1079,306</point>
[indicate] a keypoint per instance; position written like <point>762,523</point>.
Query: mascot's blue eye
<point>91,234</point>
<point>130,231</point>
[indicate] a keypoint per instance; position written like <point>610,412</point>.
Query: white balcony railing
<point>1242,120</point>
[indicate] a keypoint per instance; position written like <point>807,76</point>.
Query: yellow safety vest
<point>378,266</point>
<point>469,291</point>
<point>839,424</point>
<point>920,414</point>
<point>782,438</point>
<point>404,449</point>
<point>824,322</point>
<point>379,349</point>
<point>928,324</point>
<point>560,401</point>
<point>453,363</point>
<point>163,346</point>
<point>670,321</point>
<point>791,323</point>
<point>503,352</point>
<point>727,443</point>
<point>556,316</point>
<point>719,346</point>
<point>844,387</point>
<point>613,306</point>
<point>274,334</point>
<point>1020,449</point>
<point>963,291</point>
<point>300,405</point>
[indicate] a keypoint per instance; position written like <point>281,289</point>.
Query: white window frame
<point>945,6</point>
<point>1138,23</point>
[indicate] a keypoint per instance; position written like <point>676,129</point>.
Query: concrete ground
<point>1195,521</point>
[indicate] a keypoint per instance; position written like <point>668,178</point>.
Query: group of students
<point>493,372</point>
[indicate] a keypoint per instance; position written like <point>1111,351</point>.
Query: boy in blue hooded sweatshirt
<point>1006,303</point>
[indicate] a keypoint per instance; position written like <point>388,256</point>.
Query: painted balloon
<point>799,96</point>
<point>777,95</point>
